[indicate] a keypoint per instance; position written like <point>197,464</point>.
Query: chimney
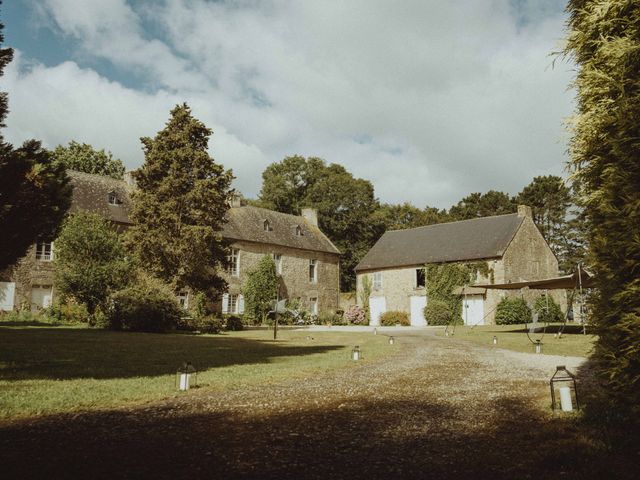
<point>235,200</point>
<point>310,215</point>
<point>524,211</point>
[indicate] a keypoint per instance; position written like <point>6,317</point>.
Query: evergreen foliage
<point>604,41</point>
<point>34,187</point>
<point>179,207</point>
<point>400,217</point>
<point>547,309</point>
<point>479,205</point>
<point>82,157</point>
<point>438,312</point>
<point>513,311</point>
<point>261,290</point>
<point>90,260</point>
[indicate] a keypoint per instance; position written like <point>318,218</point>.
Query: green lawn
<point>47,370</point>
<point>572,342</point>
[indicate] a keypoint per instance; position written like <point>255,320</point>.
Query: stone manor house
<point>306,261</point>
<point>511,245</point>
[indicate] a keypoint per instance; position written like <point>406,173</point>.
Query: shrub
<point>67,312</point>
<point>438,312</point>
<point>234,323</point>
<point>547,309</point>
<point>27,317</point>
<point>391,318</point>
<point>356,315</point>
<point>330,318</point>
<point>511,311</point>
<point>146,306</point>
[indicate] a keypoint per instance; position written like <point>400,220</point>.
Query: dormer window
<point>113,199</point>
<point>267,226</point>
<point>299,231</point>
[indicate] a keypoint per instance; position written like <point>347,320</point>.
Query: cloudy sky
<point>430,100</point>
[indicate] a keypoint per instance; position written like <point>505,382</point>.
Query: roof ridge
<point>451,223</point>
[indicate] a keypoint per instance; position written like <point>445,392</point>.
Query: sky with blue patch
<point>428,100</point>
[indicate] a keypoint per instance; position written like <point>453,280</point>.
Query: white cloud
<point>454,97</point>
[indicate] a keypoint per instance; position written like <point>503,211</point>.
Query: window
<point>313,305</point>
<point>377,281</point>
<point>113,199</point>
<point>313,271</point>
<point>299,231</point>
<point>420,278</point>
<point>233,262</point>
<point>41,296</point>
<point>267,226</point>
<point>44,251</point>
<point>277,259</point>
<point>183,299</point>
<point>232,303</point>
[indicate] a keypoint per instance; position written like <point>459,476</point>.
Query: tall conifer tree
<point>179,206</point>
<point>604,40</point>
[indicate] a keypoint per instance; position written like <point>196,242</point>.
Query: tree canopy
<point>179,207</point>
<point>479,205</point>
<point>82,157</point>
<point>91,261</point>
<point>35,192</point>
<point>604,41</point>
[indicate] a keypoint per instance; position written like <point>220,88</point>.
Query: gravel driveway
<point>439,408</point>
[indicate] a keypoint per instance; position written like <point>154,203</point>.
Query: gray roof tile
<point>466,240</point>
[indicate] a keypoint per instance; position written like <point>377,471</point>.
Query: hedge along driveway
<point>50,370</point>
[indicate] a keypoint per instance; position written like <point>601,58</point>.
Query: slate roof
<point>247,223</point>
<point>91,192</point>
<point>479,238</point>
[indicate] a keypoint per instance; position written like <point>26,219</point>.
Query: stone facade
<point>526,257</point>
<point>30,277</point>
<point>294,277</point>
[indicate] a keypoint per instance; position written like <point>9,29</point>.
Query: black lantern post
<point>184,375</point>
<point>563,385</point>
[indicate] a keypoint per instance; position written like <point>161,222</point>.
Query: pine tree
<point>179,207</point>
<point>604,40</point>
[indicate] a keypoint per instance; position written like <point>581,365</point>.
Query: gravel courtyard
<point>439,408</point>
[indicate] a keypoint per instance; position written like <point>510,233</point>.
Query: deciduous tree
<point>83,157</point>
<point>179,207</point>
<point>90,261</point>
<point>35,192</point>
<point>483,205</point>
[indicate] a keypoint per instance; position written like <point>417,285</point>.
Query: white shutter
<point>7,293</point>
<point>240,304</point>
<point>225,303</point>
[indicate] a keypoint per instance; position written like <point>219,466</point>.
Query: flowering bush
<point>355,315</point>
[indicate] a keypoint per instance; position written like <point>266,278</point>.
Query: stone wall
<point>398,284</point>
<point>295,273</point>
<point>29,272</point>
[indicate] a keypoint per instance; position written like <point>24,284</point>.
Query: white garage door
<point>7,294</point>
<point>473,310</point>
<point>377,306</point>
<point>418,302</point>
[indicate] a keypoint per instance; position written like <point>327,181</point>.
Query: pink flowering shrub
<point>355,315</point>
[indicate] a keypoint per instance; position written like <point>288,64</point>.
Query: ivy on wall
<point>443,278</point>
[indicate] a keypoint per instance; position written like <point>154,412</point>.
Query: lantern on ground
<point>186,377</point>
<point>564,391</point>
<point>392,340</point>
<point>375,331</point>
<point>538,346</point>
<point>495,340</point>
<point>356,354</point>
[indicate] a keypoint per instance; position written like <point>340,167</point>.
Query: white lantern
<point>186,377</point>
<point>356,354</point>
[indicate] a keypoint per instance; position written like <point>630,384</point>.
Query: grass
<point>514,337</point>
<point>49,370</point>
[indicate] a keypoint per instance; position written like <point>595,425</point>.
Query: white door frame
<point>377,306</point>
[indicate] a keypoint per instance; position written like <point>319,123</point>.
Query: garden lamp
<point>538,346</point>
<point>564,383</point>
<point>392,340</point>
<point>183,376</point>
<point>495,340</point>
<point>375,331</point>
<point>356,354</point>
